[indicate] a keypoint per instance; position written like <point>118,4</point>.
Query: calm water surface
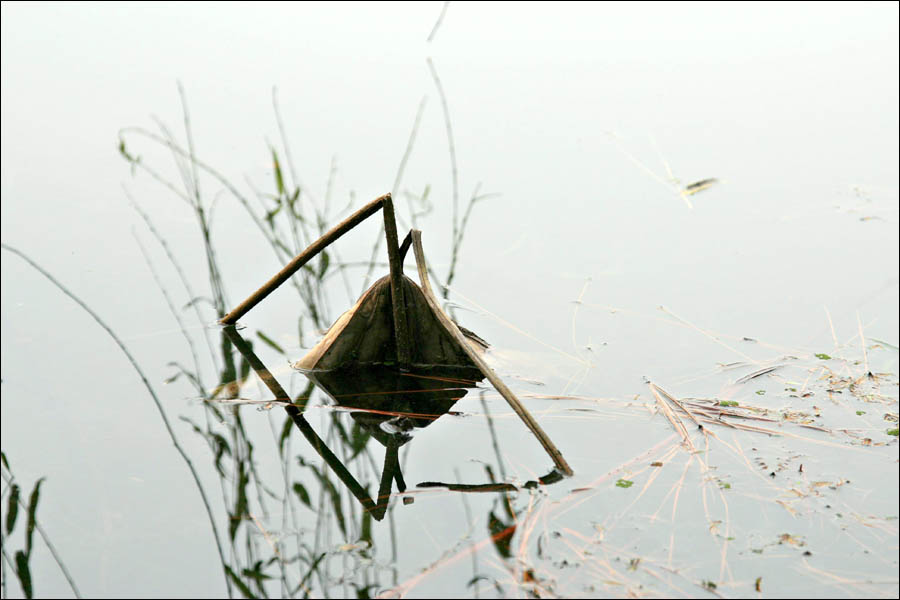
<point>719,368</point>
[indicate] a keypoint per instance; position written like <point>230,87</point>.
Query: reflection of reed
<point>288,220</point>
<point>21,564</point>
<point>146,382</point>
<point>296,415</point>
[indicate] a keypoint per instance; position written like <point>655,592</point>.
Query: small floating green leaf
<point>895,431</point>
<point>760,392</point>
<point>699,186</point>
<point>624,483</point>
<point>860,412</point>
<point>728,403</point>
<point>823,356</point>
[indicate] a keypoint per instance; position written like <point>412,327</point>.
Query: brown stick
<point>401,337</point>
<point>507,394</point>
<point>304,257</point>
<point>302,424</point>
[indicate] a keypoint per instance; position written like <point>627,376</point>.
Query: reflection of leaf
<point>501,534</point>
<point>245,370</point>
<point>12,510</point>
<point>217,443</point>
<point>285,433</point>
<point>312,569</point>
<point>292,201</point>
<point>173,377</point>
<point>127,155</point>
<point>180,370</point>
<point>256,573</point>
<point>358,439</point>
<point>240,506</point>
<point>302,494</point>
<point>335,497</point>
<point>222,448</point>
<point>240,584</point>
<point>323,265</point>
<point>270,342</point>
<point>270,215</point>
<point>197,300</point>
<point>32,514</point>
<point>24,573</point>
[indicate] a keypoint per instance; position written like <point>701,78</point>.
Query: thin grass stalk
<point>152,392</point>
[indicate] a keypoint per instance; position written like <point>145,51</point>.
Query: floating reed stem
<point>507,394</point>
<point>390,230</point>
<point>304,257</point>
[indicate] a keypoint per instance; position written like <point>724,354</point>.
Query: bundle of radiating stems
<point>710,412</point>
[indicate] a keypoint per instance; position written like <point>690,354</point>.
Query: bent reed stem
<point>495,380</point>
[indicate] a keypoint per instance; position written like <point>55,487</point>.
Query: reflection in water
<point>389,405</point>
<point>299,552</point>
<point>18,512</point>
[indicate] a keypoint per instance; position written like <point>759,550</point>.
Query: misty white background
<point>794,107</point>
